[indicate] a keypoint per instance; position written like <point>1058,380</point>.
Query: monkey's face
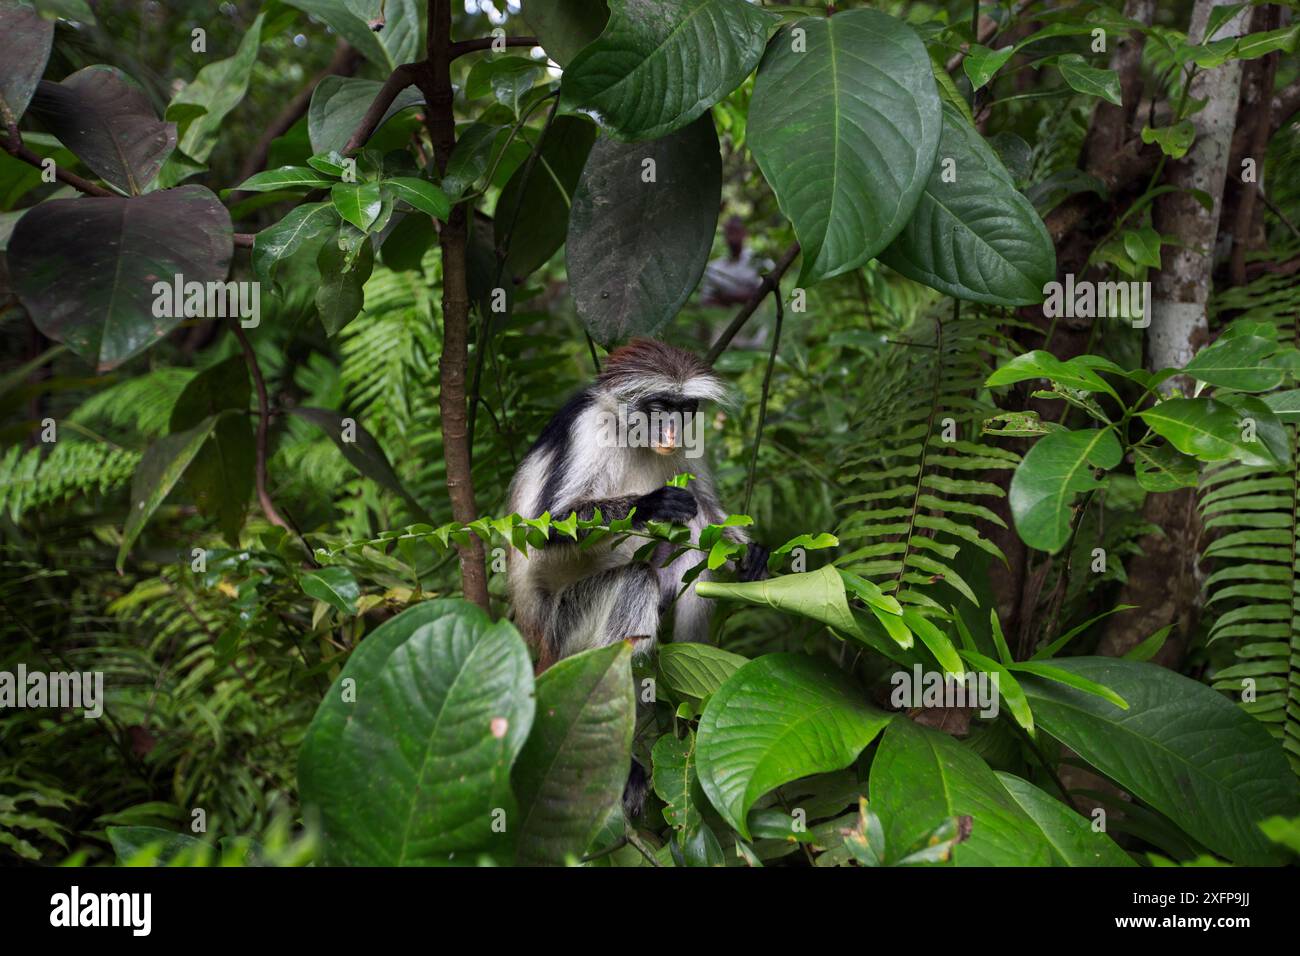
<point>668,415</point>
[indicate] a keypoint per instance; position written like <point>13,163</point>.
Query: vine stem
<point>762,404</point>
<point>13,145</point>
<point>770,281</point>
<point>260,448</point>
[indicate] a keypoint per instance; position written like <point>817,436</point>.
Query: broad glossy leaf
<point>575,764</point>
<point>1071,837</point>
<point>341,293</point>
<point>695,671</point>
<point>107,120</point>
<point>304,227</point>
<point>336,586</point>
<point>659,65</point>
<point>636,249</point>
<point>1163,468</point>
<point>1206,429</point>
<point>818,594</point>
<point>1089,79</point>
<point>981,63</point>
<point>779,718</point>
<point>676,781</point>
<point>1058,467</point>
<point>358,203</point>
<point>160,468</point>
<point>430,713</point>
<point>1285,405</point>
<point>564,27</point>
<point>399,41</point>
<point>286,177</point>
<point>1239,362</point>
<point>203,104</point>
<point>1187,751</point>
<point>533,213</point>
<point>25,40</point>
<point>338,104</point>
<point>975,237</point>
<point>86,268</point>
<point>421,194</point>
<point>921,777</point>
<point>1074,373</point>
<point>846,134</point>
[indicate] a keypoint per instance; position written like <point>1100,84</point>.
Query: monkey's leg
<point>609,606</point>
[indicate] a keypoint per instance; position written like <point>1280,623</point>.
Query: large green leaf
<point>1239,362</point>
<point>695,671</point>
<point>636,248</point>
<point>1073,840</point>
<point>1058,467</point>
<point>1074,373</point>
<point>25,40</point>
<point>921,777</point>
<point>341,293</point>
<point>677,782</point>
<point>1187,751</point>
<point>160,468</point>
<point>532,215</point>
<point>339,102</point>
<point>564,27</point>
<point>202,105</point>
<point>818,594</point>
<point>973,234</point>
<point>779,718</point>
<point>86,268</point>
<point>576,761</point>
<point>846,133</point>
<point>659,64</point>
<point>407,761</point>
<point>1207,429</point>
<point>107,120</point>
<point>304,229</point>
<point>395,39</point>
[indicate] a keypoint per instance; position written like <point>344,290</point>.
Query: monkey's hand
<point>666,504</point>
<point>753,566</point>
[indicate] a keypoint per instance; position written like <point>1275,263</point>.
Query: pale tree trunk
<point>1164,582</point>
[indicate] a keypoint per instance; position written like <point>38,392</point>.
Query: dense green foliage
<point>255,527</point>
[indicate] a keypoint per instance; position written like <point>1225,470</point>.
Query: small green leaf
<point>286,177</point>
<point>358,203</point>
<point>335,586</point>
<point>1057,468</point>
<point>1174,141</point>
<point>981,63</point>
<point>421,194</point>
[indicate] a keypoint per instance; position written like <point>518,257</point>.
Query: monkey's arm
<point>663,504</point>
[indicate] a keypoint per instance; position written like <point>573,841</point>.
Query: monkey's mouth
<point>667,449</point>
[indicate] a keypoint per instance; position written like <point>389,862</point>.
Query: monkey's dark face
<point>668,415</point>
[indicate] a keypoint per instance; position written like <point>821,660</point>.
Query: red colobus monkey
<point>568,599</point>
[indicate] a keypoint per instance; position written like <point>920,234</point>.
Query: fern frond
<point>918,488</point>
<point>1254,516</point>
<point>30,478</point>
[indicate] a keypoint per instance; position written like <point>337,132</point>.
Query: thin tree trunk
<point>1165,582</point>
<point>435,83</point>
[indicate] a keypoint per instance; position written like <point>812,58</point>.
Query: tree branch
<point>770,281</point>
<point>398,80</point>
<point>461,47</point>
<point>13,145</point>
